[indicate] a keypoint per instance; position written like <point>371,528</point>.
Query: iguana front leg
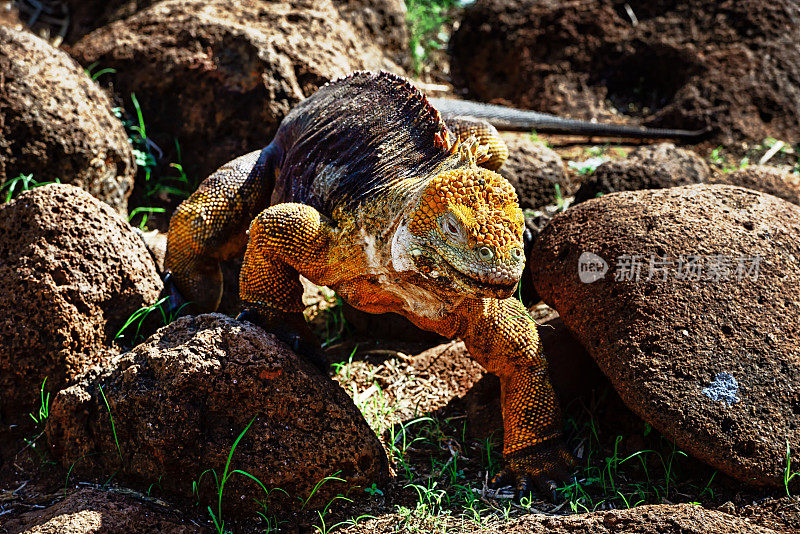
<point>502,337</point>
<point>286,240</point>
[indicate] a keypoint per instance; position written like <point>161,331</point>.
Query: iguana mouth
<point>485,287</point>
<point>434,265</point>
<point>492,278</point>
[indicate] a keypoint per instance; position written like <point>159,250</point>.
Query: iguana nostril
<point>485,253</point>
<point>516,253</point>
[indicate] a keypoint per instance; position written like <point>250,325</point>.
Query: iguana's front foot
<point>292,329</point>
<point>541,468</point>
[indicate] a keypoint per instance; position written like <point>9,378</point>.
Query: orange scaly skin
<point>485,134</point>
<point>373,196</point>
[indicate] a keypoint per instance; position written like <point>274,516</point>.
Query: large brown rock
<point>56,124</point>
<point>382,22</point>
<point>180,400</point>
<point>534,170</point>
<point>782,184</point>
<point>780,513</point>
<point>90,511</point>
<point>730,64</point>
<point>660,519</point>
<point>220,75</point>
<point>708,354</point>
<point>647,167</point>
<point>71,272</point>
<point>88,15</point>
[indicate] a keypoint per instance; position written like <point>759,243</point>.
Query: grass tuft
<point>562,202</point>
<point>94,75</point>
<point>23,182</point>
<point>147,155</point>
<point>788,474</point>
<point>44,405</point>
<point>587,166</point>
<point>219,523</point>
<point>335,323</point>
<point>770,151</point>
<point>271,522</point>
<point>125,337</point>
<point>144,211</point>
<point>113,426</point>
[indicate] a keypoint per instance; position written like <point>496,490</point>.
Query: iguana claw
<point>175,300</point>
<point>536,469</point>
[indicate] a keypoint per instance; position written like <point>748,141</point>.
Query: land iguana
<point>367,189</point>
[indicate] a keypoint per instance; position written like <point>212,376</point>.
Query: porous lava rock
<point>781,513</point>
<point>535,170</point>
<point>88,15</point>
<point>688,298</point>
<point>220,75</point>
<point>382,22</point>
<point>647,167</point>
<point>731,65</point>
<point>180,400</point>
<point>71,273</point>
<point>655,518</point>
<point>781,183</point>
<point>89,511</point>
<point>57,124</point>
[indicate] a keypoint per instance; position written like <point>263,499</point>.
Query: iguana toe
<point>540,470</point>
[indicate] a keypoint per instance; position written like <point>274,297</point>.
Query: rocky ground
<point>665,278</point>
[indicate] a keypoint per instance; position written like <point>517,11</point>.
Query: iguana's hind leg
<point>211,225</point>
<point>286,240</point>
<point>485,134</point>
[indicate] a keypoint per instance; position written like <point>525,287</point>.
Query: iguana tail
<point>504,118</point>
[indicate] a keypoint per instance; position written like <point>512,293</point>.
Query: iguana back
<point>356,137</point>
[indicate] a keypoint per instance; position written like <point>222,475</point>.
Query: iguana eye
<point>451,228</point>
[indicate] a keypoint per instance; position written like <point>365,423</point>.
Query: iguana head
<point>466,233</point>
